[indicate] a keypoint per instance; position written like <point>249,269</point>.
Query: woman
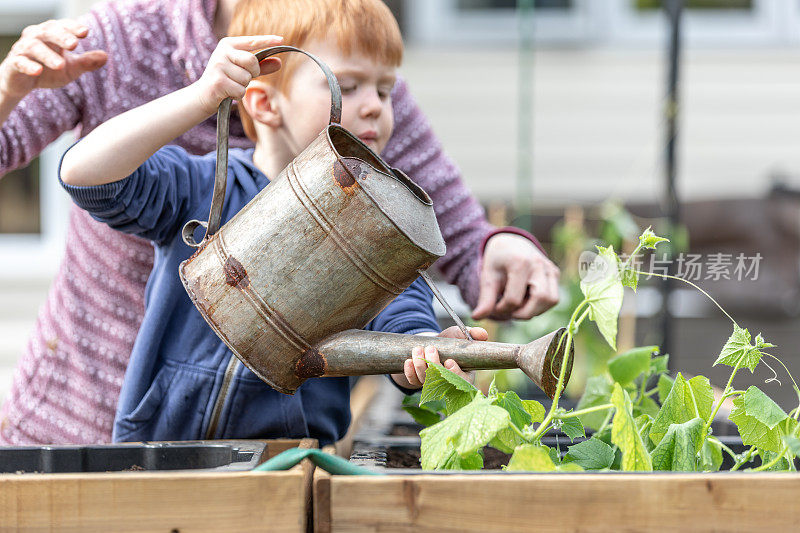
<point>67,383</point>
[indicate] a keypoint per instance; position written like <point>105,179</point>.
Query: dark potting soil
<point>409,458</point>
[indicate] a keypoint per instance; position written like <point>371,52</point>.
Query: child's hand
<point>231,67</point>
<point>413,375</point>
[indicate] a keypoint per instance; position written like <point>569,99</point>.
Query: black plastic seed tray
<point>147,456</point>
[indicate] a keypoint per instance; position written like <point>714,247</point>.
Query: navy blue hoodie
<point>177,365</point>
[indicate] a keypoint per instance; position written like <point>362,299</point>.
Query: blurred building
<point>584,123</point>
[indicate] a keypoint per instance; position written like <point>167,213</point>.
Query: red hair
<point>367,26</point>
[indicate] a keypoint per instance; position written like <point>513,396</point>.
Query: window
<point>19,190</point>
<point>699,4</point>
<point>511,4</point>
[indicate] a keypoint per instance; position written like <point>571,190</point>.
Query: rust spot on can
<point>310,365</point>
<point>343,174</point>
<point>235,274</point>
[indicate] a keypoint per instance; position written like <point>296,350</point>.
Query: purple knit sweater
<point>67,382</point>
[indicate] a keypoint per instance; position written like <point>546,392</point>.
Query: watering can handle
<point>223,119</point>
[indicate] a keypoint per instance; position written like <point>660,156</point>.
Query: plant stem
<point>571,328</point>
<point>725,393</point>
<point>744,458</point>
<point>667,276</point>
<point>519,432</point>
<point>606,421</point>
<point>719,443</point>
<point>582,412</point>
<point>771,463</point>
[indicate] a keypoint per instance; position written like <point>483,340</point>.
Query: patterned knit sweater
<point>67,382</point>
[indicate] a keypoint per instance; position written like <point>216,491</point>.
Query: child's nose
<point>371,105</point>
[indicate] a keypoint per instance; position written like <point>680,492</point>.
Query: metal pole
<point>671,207</point>
<point>523,204</point>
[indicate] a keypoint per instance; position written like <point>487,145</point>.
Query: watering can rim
<point>437,247</point>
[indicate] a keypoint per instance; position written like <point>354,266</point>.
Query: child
<point>124,175</point>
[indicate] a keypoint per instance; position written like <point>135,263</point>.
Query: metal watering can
<point>317,254</point>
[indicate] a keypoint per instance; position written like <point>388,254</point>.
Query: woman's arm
<point>116,148</point>
<point>48,55</point>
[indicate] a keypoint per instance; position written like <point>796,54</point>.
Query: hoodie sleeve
<point>153,201</point>
<point>411,313</point>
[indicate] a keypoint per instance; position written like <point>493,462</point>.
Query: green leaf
<point>625,435</point>
<point>442,384</point>
<point>467,430</point>
<point>508,439</point>
<point>648,239</point>
<point>422,416</point>
<point>629,278</point>
<point>685,401</point>
<point>647,406</point>
<point>603,288</point>
<point>532,458</point>
<point>664,386</point>
<point>793,443</point>
<point>592,454</point>
<point>598,392</point>
<point>762,408</point>
<point>658,365</point>
<point>752,431</point>
<point>710,457</point>
<point>572,428</point>
<point>781,465</point>
<point>472,461</point>
<point>535,410</point>
<point>644,423</point>
<point>516,409</point>
<point>678,449</point>
<point>627,366</point>
<point>738,350</point>
<point>493,392</point>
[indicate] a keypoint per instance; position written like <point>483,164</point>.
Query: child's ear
<point>260,102</point>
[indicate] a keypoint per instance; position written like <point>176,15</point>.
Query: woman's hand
<point>413,375</point>
<point>517,279</point>
<point>41,58</point>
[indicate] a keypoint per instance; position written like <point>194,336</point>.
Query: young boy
<point>124,175</point>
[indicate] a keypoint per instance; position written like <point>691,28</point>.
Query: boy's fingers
<point>253,42</point>
<point>420,365</point>
<point>479,334</point>
<point>236,73</point>
<point>410,374</point>
<point>245,60</point>
<point>432,355</point>
<point>453,367</point>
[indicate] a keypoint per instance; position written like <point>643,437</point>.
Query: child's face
<point>366,97</point>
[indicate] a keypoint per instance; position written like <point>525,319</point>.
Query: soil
<point>409,458</point>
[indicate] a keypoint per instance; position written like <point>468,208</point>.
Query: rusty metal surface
<point>358,352</point>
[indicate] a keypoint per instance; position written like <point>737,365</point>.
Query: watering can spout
<point>358,352</point>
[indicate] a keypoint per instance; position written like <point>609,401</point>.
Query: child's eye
<point>348,88</point>
<point>384,92</point>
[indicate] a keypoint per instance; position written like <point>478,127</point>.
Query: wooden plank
<point>548,502</point>
<point>161,501</point>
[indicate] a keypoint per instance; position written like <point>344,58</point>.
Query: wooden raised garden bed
<point>164,501</point>
<point>408,499</point>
